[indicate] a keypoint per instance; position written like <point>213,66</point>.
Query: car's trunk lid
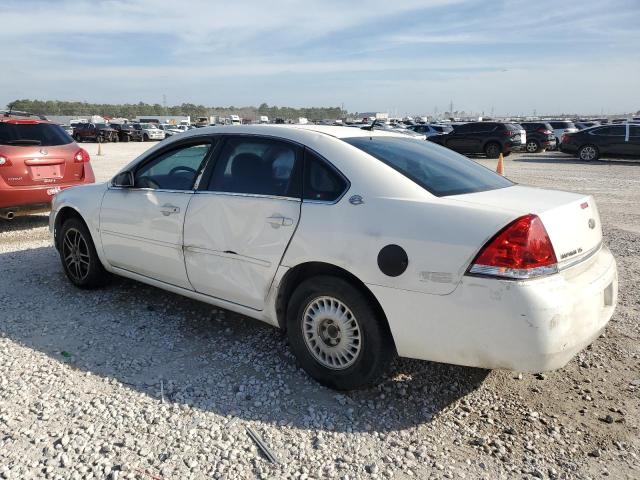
<point>35,165</point>
<point>571,220</point>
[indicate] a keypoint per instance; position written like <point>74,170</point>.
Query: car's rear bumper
<point>533,326</point>
<point>20,198</point>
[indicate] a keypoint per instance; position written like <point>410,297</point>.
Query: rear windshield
<point>562,124</point>
<point>23,134</point>
<point>436,169</point>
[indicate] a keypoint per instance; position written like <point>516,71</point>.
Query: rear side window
<point>260,166</point>
<point>321,181</point>
<point>634,131</point>
<point>43,134</point>
<point>436,169</point>
<point>617,130</point>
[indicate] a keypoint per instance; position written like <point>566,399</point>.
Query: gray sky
<point>408,57</point>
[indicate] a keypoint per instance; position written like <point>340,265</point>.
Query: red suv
<point>37,160</point>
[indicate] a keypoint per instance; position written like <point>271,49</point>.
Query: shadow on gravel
<point>24,223</point>
<point>211,359</point>
<point>567,159</point>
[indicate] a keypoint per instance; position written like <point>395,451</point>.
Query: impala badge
<point>592,223</point>
<point>44,151</point>
<point>356,200</point>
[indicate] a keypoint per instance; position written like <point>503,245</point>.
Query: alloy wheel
<point>532,147</point>
<point>588,153</point>
<point>331,333</point>
<point>75,253</point>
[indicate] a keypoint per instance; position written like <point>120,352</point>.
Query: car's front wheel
<point>79,257</point>
<point>588,153</point>
<point>336,334</point>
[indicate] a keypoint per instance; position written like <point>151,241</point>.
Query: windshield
<point>44,134</point>
<point>148,125</point>
<point>436,169</point>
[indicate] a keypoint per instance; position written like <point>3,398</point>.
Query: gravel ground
<point>134,382</point>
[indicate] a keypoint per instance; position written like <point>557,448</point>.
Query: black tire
<point>79,257</point>
<point>77,138</point>
<point>492,150</point>
<point>373,342</point>
<point>145,138</point>
<point>125,138</point>
<point>506,154</point>
<point>533,146</point>
<point>115,139</point>
<point>588,153</point>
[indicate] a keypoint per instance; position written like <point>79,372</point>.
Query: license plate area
<point>42,172</point>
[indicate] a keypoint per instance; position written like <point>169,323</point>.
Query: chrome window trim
<point>251,195</point>
<point>139,189</point>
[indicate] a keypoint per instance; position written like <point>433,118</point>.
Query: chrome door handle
<point>168,209</point>
<point>278,221</point>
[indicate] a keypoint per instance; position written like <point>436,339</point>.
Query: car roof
<point>22,120</point>
<point>295,131</point>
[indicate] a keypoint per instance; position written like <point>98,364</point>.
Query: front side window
<point>173,170</point>
<point>259,166</point>
<point>436,169</point>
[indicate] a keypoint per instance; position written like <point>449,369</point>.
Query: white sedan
<point>361,244</point>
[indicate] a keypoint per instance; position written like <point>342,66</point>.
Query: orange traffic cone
<point>500,167</point>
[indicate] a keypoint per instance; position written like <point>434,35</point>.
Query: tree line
<point>131,110</point>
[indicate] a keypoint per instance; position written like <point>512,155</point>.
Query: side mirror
<point>123,180</point>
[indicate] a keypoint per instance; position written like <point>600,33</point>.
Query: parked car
<point>385,127</point>
<point>126,132</point>
<point>169,129</point>
<point>360,244</point>
<point>430,130</point>
<point>95,132</point>
<point>560,127</point>
<point>68,129</point>
<point>148,131</point>
<point>607,140</point>
<point>38,159</point>
<point>540,136</point>
<point>488,138</point>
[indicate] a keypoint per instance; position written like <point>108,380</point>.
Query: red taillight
<point>520,250</point>
<point>544,131</point>
<point>4,161</point>
<point>508,133</point>
<point>81,156</point>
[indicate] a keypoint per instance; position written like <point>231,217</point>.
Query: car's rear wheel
<point>77,138</point>
<point>492,150</point>
<point>336,334</point>
<point>79,257</point>
<point>533,146</point>
<point>588,153</point>
<point>145,137</point>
